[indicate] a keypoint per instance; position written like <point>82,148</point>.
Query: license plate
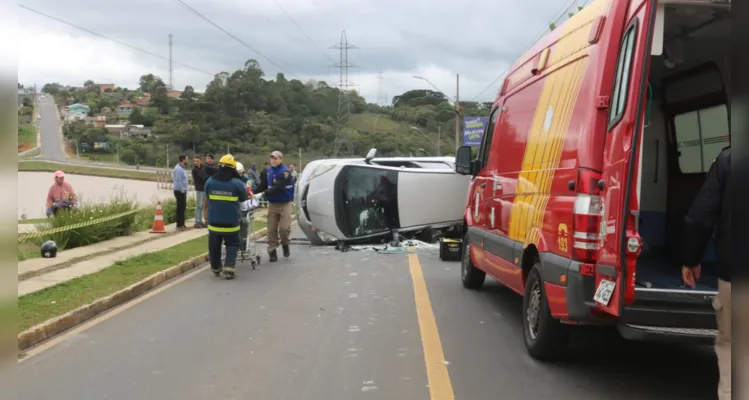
<point>604,292</point>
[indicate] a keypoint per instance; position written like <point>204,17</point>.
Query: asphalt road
<point>49,127</point>
<point>52,143</point>
<point>328,325</point>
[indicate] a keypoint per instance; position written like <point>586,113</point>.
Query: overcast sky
<point>435,39</point>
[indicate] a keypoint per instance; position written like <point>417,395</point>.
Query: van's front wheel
<point>472,277</point>
<point>545,337</point>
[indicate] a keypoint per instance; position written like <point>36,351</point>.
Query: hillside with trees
<point>251,115</point>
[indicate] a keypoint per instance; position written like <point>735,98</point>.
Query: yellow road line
<point>440,387</point>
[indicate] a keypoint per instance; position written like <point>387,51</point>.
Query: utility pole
<point>380,95</point>
<point>171,70</point>
<point>457,111</point>
<point>439,136</point>
<point>167,155</point>
<point>300,160</point>
<point>343,136</point>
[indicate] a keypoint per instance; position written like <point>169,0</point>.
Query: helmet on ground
<point>240,168</point>
<point>227,161</point>
<point>49,249</point>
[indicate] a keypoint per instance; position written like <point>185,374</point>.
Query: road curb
<point>57,325</point>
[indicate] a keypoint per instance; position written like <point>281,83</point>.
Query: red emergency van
<point>599,139</point>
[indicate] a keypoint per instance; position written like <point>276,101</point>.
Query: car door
<point>626,108</point>
<point>483,182</point>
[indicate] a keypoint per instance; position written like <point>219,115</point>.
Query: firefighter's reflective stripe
<point>222,198</point>
<point>222,229</point>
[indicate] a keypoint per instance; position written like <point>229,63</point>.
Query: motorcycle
<point>61,205</point>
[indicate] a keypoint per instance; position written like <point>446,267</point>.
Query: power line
<point>564,10</point>
<point>242,42</point>
<point>272,22</point>
<point>300,28</point>
<point>113,40</point>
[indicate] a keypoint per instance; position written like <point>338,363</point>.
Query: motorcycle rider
<point>60,195</point>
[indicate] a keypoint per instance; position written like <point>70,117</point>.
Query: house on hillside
<point>103,87</point>
<point>128,130</point>
<point>75,112</point>
<point>98,121</point>
<point>125,108</point>
<point>175,94</point>
<point>143,101</point>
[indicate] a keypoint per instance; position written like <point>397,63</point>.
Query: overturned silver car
<point>363,200</point>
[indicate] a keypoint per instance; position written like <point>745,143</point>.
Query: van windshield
<point>369,200</point>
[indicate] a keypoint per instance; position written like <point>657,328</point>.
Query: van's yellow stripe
<point>562,78</point>
<point>544,149</point>
<point>560,109</point>
<point>560,136</point>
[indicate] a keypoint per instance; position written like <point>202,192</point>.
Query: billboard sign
<point>473,129</point>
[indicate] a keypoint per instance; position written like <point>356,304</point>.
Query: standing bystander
<point>278,190</point>
<point>199,177</point>
<point>710,216</point>
<point>179,175</point>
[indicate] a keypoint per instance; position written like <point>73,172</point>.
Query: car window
<point>700,136</point>
<point>623,73</point>
<point>370,200</point>
<point>486,141</point>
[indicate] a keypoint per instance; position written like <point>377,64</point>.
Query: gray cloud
<point>475,38</point>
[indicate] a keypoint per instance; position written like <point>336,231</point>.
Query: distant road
<point>52,143</point>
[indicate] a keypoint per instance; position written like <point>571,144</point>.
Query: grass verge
<point>119,227</point>
<point>38,307</point>
<point>46,166</point>
<point>26,137</point>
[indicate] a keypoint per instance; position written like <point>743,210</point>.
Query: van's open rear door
<point>626,109</point>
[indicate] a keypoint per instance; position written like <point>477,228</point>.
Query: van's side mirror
<point>463,161</point>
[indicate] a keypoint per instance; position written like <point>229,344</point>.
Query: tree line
<point>251,115</point>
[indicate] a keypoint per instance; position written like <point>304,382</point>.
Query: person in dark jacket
<point>278,191</point>
<point>226,197</point>
<point>199,177</point>
<point>210,166</point>
<point>710,214</point>
<point>263,177</point>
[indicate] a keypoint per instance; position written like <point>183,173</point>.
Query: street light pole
<point>457,111</point>
<point>457,104</point>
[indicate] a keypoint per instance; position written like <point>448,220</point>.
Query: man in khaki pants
<point>278,189</point>
<point>709,211</point>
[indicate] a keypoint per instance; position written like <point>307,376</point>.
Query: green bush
<point>87,235</point>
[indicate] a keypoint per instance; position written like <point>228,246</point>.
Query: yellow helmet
<point>227,161</point>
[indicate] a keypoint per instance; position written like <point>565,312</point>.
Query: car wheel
<point>546,338</point>
<point>472,277</point>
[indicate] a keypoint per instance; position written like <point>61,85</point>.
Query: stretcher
<point>248,243</point>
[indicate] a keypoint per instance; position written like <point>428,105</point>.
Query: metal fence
<point>164,181</point>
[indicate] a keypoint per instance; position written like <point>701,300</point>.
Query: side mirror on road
<point>463,161</point>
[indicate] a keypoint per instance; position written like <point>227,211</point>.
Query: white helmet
<point>240,168</point>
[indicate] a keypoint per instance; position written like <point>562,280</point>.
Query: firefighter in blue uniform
<point>278,189</point>
<point>225,195</point>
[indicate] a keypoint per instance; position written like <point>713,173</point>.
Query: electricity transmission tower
<point>380,95</point>
<point>343,133</point>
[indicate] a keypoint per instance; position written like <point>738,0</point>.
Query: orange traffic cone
<point>158,220</point>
